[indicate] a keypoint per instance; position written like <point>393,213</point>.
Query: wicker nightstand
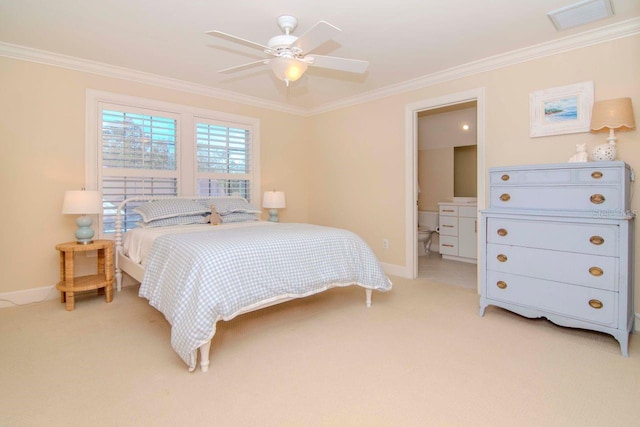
<point>69,283</point>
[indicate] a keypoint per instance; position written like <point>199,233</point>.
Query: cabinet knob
<point>596,175</point>
<point>505,197</point>
<point>502,258</point>
<point>501,284</point>
<point>502,232</point>
<point>597,199</point>
<point>597,304</point>
<point>596,271</point>
<point>596,240</point>
<point>505,177</point>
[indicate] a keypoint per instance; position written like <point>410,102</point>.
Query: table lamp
<point>273,200</point>
<point>610,115</point>
<point>83,203</point>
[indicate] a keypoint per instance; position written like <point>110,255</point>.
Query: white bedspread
<point>198,277</point>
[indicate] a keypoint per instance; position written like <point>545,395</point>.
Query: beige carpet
<point>420,356</point>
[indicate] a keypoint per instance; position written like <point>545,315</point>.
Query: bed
<point>196,273</point>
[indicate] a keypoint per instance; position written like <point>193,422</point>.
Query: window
<point>139,147</point>
<point>224,160</point>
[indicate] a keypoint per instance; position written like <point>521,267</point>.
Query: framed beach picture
<point>561,110</point>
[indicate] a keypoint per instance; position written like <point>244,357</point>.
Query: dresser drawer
<point>531,177</point>
<point>593,199</point>
<point>591,174</point>
<point>579,269</point>
<point>564,299</point>
<point>448,245</point>
<point>448,225</point>
<point>596,239</point>
<point>448,210</point>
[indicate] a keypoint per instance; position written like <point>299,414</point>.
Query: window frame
<point>186,160</point>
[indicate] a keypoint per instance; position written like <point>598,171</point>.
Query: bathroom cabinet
<point>557,242</point>
<point>458,231</point>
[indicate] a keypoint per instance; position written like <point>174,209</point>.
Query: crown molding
<point>622,29</point>
<point>83,65</point>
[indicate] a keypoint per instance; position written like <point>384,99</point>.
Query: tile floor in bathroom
<point>433,267</point>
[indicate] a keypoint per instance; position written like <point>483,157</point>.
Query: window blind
<point>224,160</point>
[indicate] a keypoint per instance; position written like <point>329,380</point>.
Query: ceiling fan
<point>291,54</point>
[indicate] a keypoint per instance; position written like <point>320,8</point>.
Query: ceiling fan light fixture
<point>288,69</point>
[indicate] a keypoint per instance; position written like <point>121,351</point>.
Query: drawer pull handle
<point>505,197</point>
<point>596,271</point>
<point>597,304</point>
<point>502,232</point>
<point>501,284</point>
<point>596,175</point>
<point>597,199</point>
<point>447,226</point>
<point>447,210</point>
<point>502,258</point>
<point>505,177</point>
<point>596,240</point>
<point>447,245</point>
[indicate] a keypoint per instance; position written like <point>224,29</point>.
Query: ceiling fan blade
<point>320,33</point>
<point>342,64</point>
<point>237,39</point>
<point>243,66</point>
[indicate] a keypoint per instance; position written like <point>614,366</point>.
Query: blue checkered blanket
<point>198,278</point>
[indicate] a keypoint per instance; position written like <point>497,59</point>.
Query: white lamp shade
<point>273,200</point>
<point>288,69</point>
<point>82,202</point>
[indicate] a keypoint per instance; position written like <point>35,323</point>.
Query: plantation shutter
<point>223,152</point>
<point>138,157</point>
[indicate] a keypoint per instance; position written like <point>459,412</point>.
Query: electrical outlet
<point>385,243</point>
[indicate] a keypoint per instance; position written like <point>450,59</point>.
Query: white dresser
<point>458,223</point>
<point>557,242</point>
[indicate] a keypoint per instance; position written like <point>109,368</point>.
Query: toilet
<point>427,226</point>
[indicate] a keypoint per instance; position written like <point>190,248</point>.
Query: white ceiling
<point>403,40</point>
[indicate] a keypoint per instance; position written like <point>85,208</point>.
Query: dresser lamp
<point>273,200</point>
<point>83,203</point>
<point>610,115</point>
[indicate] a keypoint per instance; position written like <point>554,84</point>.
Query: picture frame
<point>561,110</point>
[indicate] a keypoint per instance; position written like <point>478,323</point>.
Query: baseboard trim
<point>395,270</point>
<point>27,296</point>
<point>45,293</point>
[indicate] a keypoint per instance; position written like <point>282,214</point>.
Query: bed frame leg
<point>118,279</point>
<point>368,292</point>
<point>204,356</point>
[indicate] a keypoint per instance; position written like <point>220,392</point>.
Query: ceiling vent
<point>580,13</point>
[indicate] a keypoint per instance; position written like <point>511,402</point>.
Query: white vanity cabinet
<point>557,242</point>
<point>458,231</point>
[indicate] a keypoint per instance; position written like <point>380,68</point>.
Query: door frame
<point>411,156</point>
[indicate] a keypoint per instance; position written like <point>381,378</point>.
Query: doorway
<point>412,112</point>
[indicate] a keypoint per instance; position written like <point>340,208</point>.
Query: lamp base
<point>84,233</point>
<point>273,215</point>
<point>604,152</point>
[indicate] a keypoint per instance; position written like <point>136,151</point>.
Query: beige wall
<point>42,145</point>
<point>360,150</point>
<point>436,177</point>
<point>344,168</point>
